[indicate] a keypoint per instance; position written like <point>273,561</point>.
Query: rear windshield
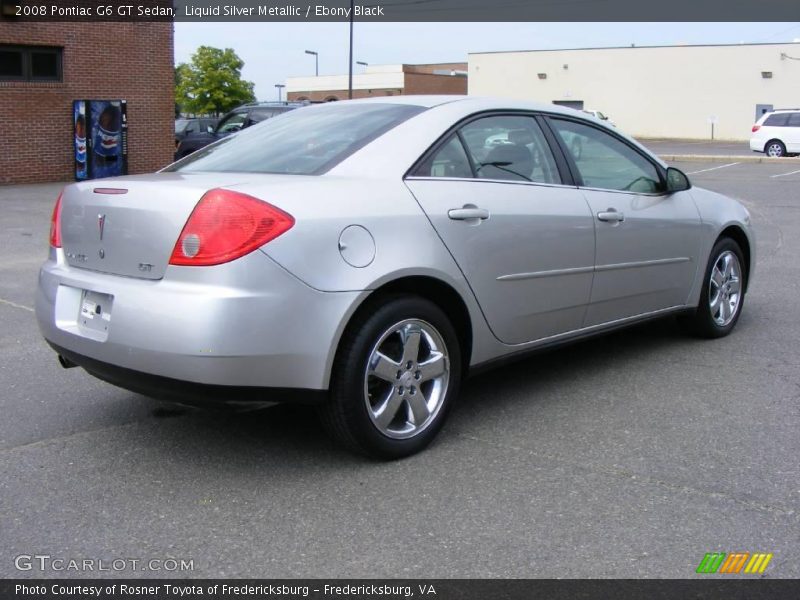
<point>304,141</point>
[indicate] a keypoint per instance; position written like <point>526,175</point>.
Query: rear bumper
<point>196,394</point>
<point>244,324</point>
<point>756,145</point>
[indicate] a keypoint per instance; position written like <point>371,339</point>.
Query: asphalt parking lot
<point>699,147</point>
<point>631,455</point>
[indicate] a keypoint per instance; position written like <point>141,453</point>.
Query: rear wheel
<point>775,148</point>
<point>722,295</point>
<point>396,377</point>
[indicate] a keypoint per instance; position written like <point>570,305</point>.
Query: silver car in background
<point>366,255</point>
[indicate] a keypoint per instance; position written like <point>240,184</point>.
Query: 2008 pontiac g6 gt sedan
<point>366,255</point>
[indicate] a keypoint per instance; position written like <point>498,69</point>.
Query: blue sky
<point>274,51</point>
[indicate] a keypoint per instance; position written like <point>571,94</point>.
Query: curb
<point>722,158</point>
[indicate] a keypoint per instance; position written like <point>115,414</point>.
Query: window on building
<point>30,63</point>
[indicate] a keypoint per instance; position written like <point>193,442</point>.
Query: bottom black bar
<point>434,589</point>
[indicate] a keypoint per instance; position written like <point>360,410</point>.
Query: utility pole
<point>350,70</point>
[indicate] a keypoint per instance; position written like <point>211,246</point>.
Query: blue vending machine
<point>101,138</point>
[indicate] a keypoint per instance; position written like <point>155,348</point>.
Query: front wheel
<point>396,376</point>
<point>722,295</point>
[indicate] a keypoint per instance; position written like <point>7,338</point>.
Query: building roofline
<point>638,47</point>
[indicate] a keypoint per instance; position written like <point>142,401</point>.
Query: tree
<point>212,82</point>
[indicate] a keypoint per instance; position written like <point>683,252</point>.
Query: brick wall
<point>415,83</point>
<point>341,94</point>
<point>423,83</point>
<point>131,61</point>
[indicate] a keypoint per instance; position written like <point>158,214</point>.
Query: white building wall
<point>377,77</point>
<point>669,92</point>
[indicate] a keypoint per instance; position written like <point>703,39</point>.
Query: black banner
<point>434,589</point>
<point>403,10</point>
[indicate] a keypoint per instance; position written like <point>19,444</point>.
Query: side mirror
<point>210,129</point>
<point>677,181</point>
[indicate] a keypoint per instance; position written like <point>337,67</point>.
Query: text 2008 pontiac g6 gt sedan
<point>365,255</point>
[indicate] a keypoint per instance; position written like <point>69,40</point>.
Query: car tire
<point>722,294</point>
<point>775,148</point>
<point>396,376</point>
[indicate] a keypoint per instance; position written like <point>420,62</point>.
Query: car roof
<point>476,103</point>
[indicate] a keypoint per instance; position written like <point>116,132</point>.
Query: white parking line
<point>15,305</point>
<point>713,168</point>
<point>785,174</point>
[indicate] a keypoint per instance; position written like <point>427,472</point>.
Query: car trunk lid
<point>128,225</point>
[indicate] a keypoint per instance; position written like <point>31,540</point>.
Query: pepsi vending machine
<point>101,138</point>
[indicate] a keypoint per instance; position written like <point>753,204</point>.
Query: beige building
<point>382,80</point>
<point>656,92</point>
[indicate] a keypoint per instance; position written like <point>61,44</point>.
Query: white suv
<point>777,133</point>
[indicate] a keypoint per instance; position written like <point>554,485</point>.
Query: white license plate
<point>95,310</point>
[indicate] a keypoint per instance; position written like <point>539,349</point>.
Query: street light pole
<point>280,87</point>
<point>316,61</point>
<point>350,71</point>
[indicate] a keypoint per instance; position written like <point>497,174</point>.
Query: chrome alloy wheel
<point>725,288</point>
<point>406,379</point>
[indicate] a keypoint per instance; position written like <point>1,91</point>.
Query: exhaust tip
<point>66,363</point>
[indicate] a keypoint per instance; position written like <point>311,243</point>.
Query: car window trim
<point>566,177</point>
<point>484,180</point>
<point>662,172</point>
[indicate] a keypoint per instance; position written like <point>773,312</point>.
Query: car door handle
<point>611,215</point>
<point>468,212</point>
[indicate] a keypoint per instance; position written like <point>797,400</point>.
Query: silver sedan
<point>365,256</point>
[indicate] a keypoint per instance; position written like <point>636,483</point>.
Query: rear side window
<point>448,161</point>
<point>304,141</point>
<point>777,120</point>
<point>510,148</point>
<point>794,119</point>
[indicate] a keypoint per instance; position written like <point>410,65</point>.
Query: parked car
<point>188,126</point>
<point>598,115</point>
<point>236,120</point>
<point>777,133</point>
<point>366,255</point>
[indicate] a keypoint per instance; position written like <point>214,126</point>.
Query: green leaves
<point>212,83</point>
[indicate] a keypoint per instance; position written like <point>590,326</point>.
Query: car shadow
<point>292,435</point>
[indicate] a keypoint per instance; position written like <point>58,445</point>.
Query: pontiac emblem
<point>101,223</point>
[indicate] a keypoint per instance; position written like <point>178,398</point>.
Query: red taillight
<point>55,224</point>
<point>756,128</point>
<point>226,225</point>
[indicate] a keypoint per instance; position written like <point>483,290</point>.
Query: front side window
<point>606,162</point>
<point>510,148</point>
<point>304,141</point>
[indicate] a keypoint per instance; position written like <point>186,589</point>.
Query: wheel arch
<point>738,235</point>
<point>769,141</point>
<point>437,291</point>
